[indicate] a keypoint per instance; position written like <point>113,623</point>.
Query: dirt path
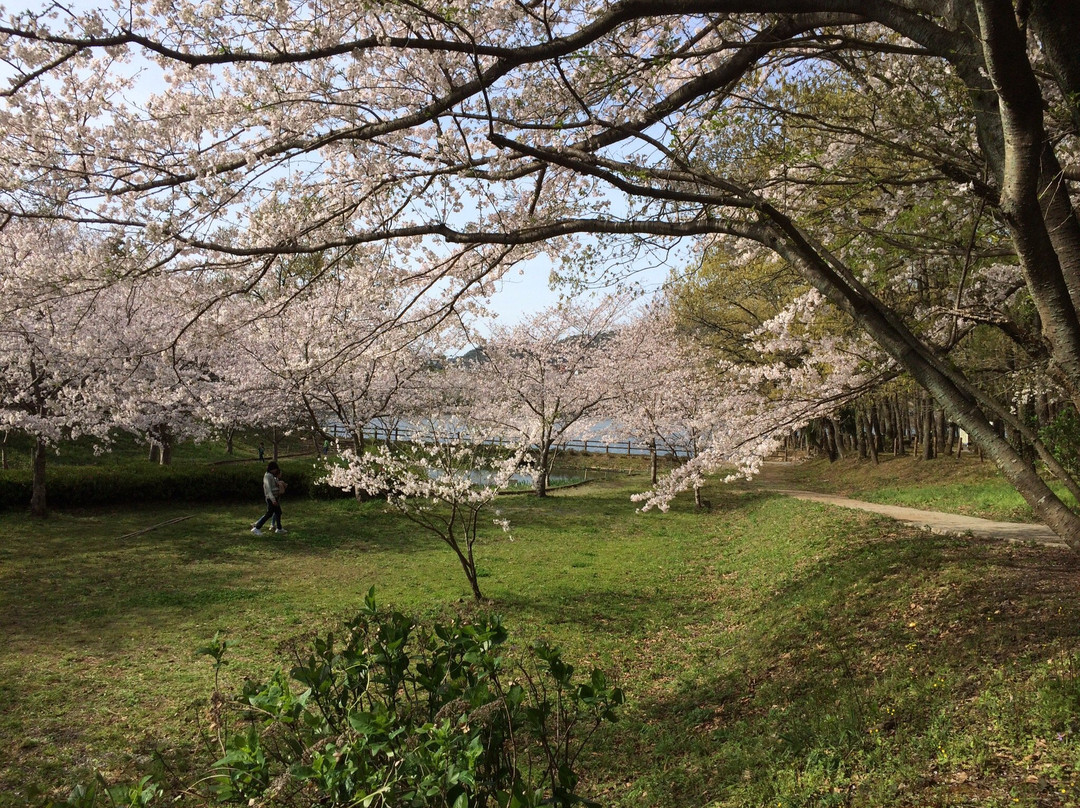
<point>946,523</point>
<point>934,521</point>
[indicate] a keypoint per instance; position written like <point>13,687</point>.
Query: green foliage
<point>393,713</point>
<point>99,794</point>
<point>1062,438</point>
<point>92,486</point>
<point>216,649</point>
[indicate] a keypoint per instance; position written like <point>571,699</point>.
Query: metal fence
<point>628,448</point>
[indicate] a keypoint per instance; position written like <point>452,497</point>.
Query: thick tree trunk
<point>1035,201</point>
<point>38,502</point>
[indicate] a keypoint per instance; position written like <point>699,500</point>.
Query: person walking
<point>273,486</point>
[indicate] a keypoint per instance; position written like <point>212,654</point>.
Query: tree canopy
<point>913,161</point>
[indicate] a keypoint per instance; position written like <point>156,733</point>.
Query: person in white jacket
<point>273,486</point>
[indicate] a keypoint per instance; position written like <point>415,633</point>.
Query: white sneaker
<point>281,530</point>
<point>256,531</point>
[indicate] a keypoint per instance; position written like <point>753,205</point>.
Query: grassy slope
<point>774,652</point>
<point>968,485</point>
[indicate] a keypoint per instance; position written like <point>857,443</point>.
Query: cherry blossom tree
<point>663,393</point>
<point>439,480</point>
<point>353,349</point>
<point>735,424</point>
<point>55,342</point>
<point>547,377</point>
<point>469,139</point>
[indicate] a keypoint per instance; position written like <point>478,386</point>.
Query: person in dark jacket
<point>273,487</point>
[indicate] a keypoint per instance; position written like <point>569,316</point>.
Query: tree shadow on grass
<point>96,568</point>
<point>607,612</point>
<point>847,669</point>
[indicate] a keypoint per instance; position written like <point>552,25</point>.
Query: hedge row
<point>89,486</point>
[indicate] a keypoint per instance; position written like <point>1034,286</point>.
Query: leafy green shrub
<point>1062,437</point>
<point>392,713</point>
<point>90,486</point>
<point>14,489</point>
<point>142,794</point>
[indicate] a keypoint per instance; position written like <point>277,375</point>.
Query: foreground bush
<point>391,713</point>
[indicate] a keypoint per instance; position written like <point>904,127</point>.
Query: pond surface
<point>557,477</point>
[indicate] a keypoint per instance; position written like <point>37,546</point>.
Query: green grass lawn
<point>773,652</point>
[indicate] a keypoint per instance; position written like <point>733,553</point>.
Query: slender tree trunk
<point>928,431</point>
<point>166,450</point>
<point>161,445</point>
<point>836,440</point>
<point>469,565</point>
<point>869,442</point>
<point>654,466</point>
<point>898,426</point>
<point>1035,200</point>
<point>886,427</point>
<point>38,504</point>
<point>918,420</point>
<point>540,485</point>
<point>466,558</point>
